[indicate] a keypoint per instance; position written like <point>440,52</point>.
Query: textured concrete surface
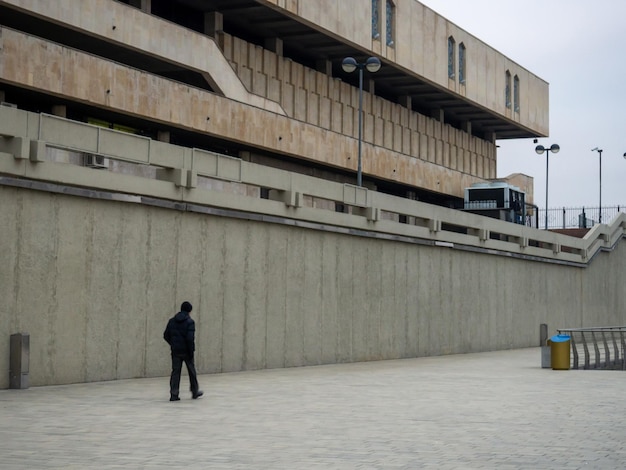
<point>495,410</point>
<point>94,281</point>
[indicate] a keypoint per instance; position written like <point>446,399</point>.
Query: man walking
<point>180,335</point>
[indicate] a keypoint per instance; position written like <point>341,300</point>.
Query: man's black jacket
<point>180,334</point>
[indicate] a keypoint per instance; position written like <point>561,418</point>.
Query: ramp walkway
<point>496,410</point>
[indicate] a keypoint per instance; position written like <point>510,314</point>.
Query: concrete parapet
<point>19,147</point>
<point>184,166</point>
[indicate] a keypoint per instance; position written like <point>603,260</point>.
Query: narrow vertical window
<point>507,89</point>
<point>516,94</point>
<point>451,57</point>
<point>390,22</point>
<point>462,63</point>
<point>375,19</point>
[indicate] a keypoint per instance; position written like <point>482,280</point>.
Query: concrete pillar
<point>19,359</point>
<point>324,66</point>
<point>143,5</point>
<point>2,95</point>
<point>466,126</point>
<point>59,110</point>
<point>438,114</point>
<point>213,23</point>
<point>274,45</point>
<point>163,136</point>
<point>405,101</point>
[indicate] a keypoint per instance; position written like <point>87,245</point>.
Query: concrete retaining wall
<point>94,261</point>
<point>94,282</point>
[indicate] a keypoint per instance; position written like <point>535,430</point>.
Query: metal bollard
<point>19,361</point>
<point>546,357</point>
<point>543,334</point>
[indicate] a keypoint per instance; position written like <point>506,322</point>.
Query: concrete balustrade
<point>182,166</point>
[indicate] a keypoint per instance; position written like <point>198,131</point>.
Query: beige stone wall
<point>121,24</point>
<point>314,97</point>
<point>52,69</point>
<point>93,282</point>
<point>421,47</point>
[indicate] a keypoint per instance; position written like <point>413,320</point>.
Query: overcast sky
<point>579,48</point>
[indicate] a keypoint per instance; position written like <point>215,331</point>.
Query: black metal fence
<point>571,217</point>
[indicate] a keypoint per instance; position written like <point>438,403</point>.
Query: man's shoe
<point>174,398</point>
<point>198,394</point>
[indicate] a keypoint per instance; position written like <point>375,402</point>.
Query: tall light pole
<point>554,148</point>
<point>349,65</point>
<point>600,154</point>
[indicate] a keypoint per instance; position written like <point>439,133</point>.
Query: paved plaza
<point>496,410</point>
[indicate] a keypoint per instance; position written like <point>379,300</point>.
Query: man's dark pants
<point>177,365</point>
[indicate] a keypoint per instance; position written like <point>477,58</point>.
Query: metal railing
<point>572,217</point>
<point>597,348</point>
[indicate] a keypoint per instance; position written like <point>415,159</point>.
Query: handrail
<point>608,343</point>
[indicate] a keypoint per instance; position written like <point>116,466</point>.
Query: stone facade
<point>152,153</point>
<point>263,103</point>
<point>389,128</point>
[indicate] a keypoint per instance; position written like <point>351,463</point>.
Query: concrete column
<point>405,101</point>
<point>2,95</point>
<point>490,137</point>
<point>274,45</point>
<point>143,5</point>
<point>438,114</point>
<point>19,360</point>
<point>59,110</point>
<point>324,66</point>
<point>213,23</point>
<point>466,126</point>
<point>163,136</point>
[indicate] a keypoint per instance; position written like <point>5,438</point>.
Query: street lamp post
<point>600,154</point>
<point>554,148</point>
<point>349,65</point>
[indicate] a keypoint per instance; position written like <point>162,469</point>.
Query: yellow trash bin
<point>559,352</point>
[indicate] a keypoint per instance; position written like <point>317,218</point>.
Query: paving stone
<point>496,410</point>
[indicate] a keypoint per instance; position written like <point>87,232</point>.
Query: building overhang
<point>260,23</point>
